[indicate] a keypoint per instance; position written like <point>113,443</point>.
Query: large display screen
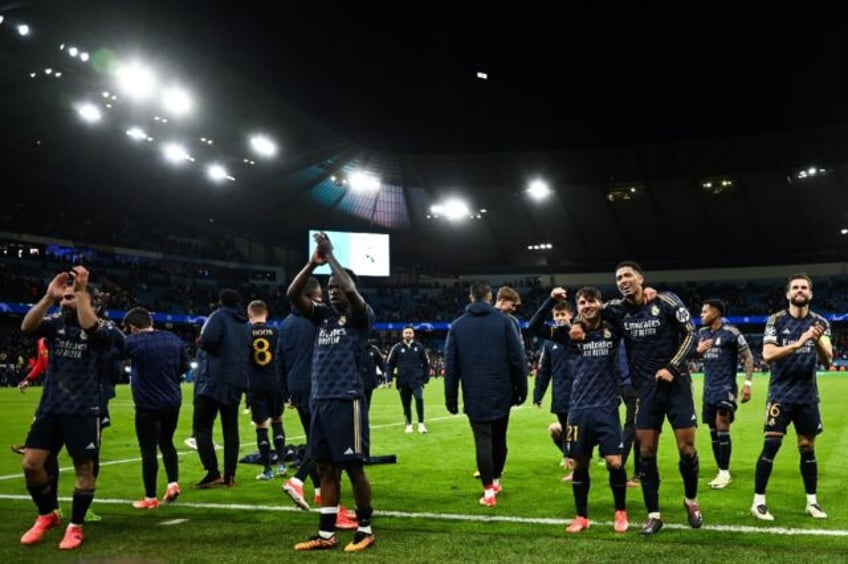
<point>367,254</point>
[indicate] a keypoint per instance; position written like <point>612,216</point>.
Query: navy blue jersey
<point>342,340</point>
<point>263,375</point>
<point>554,365</point>
<point>594,368</point>
<point>295,349</point>
<point>72,384</point>
<point>158,361</point>
<point>720,361</point>
<point>793,377</point>
<point>657,334</point>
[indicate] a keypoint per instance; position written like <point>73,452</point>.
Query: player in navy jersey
<point>69,410</point>
<point>158,361</point>
<point>554,364</point>
<point>593,412</point>
<point>265,389</point>
<point>409,362</point>
<point>659,337</point>
<point>794,341</point>
<point>295,349</point>
<point>339,433</point>
<point>721,345</point>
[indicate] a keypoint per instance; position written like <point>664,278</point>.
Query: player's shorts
<point>590,427</point>
<point>710,410</point>
<point>339,431</point>
<point>672,400</point>
<point>804,416</point>
<point>265,405</point>
<point>79,434</point>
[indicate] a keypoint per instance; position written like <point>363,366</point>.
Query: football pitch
<point>426,506</point>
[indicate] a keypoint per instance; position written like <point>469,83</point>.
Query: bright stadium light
<point>136,134</point>
<point>89,112</point>
<point>23,30</point>
<point>263,146</point>
<point>175,153</point>
<point>177,101</point>
<point>217,173</point>
<point>452,209</point>
<point>84,57</point>
<point>538,190</point>
<point>73,51</point>
<point>361,182</point>
<point>2,17</point>
<point>135,80</point>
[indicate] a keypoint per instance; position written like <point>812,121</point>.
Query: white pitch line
<point>474,518</point>
<point>182,453</point>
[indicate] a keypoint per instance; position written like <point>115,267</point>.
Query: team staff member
<point>226,341</point>
<point>409,362</point>
<point>158,361</point>
<point>484,354</point>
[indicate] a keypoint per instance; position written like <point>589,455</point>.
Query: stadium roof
<point>673,139</point>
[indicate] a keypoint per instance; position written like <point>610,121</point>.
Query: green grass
<point>431,486</point>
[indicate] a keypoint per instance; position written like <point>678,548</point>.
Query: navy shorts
<point>672,400</point>
<point>264,405</point>
<point>590,427</point>
<point>80,434</point>
<point>710,409</point>
<point>805,417</point>
<point>339,431</point>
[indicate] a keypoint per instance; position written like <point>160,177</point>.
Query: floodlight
<point>89,113</point>
<point>135,80</point>
<point>177,101</point>
<point>538,189</point>
<point>84,57</point>
<point>73,51</point>
<point>263,146</point>
<point>137,134</point>
<point>218,173</point>
<point>361,182</point>
<point>175,153</point>
<point>23,30</point>
<point>453,209</point>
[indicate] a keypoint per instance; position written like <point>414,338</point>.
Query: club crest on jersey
<point>718,341</point>
<point>682,314</point>
<point>607,334</point>
<point>83,336</point>
<point>342,320</point>
<point>655,310</point>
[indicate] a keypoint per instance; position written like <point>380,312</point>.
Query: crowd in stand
<point>191,288</point>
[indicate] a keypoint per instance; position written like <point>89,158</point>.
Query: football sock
<point>809,469</point>
<point>764,464</point>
